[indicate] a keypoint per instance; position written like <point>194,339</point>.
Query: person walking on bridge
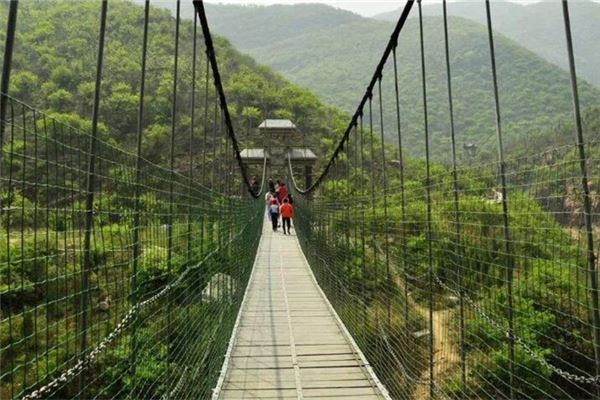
<point>274,213</point>
<point>282,192</point>
<point>268,197</point>
<point>287,212</point>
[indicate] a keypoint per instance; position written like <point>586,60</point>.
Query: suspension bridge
<point>130,276</point>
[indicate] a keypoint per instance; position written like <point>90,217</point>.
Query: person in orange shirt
<point>287,212</point>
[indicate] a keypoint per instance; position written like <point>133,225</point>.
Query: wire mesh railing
<point>152,310</point>
<point>393,309</point>
<point>121,275</point>
<point>473,280</point>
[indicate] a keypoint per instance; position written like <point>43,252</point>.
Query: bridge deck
<point>289,342</point>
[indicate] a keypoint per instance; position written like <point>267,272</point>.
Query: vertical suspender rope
<point>587,201</point>
<point>362,224</point>
<point>23,158</point>
<point>11,27</point>
<point>191,143</point>
<point>347,207</point>
<point>7,229</point>
<point>223,156</point>
<point>89,201</point>
<point>47,234</point>
<point>388,281</point>
<point>457,229</point>
<point>221,168</point>
<point>60,193</point>
<point>373,215</point>
<point>402,194</point>
<point>355,193</point>
<point>204,146</point>
<point>35,227</point>
<point>428,196</point>
<point>4,100</point>
<point>214,144</point>
<point>505,216</point>
<point>137,193</point>
<point>204,137</point>
<point>172,173</point>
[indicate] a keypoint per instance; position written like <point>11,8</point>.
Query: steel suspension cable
<point>210,52</point>
<point>392,44</point>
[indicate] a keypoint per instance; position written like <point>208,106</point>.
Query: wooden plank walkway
<point>288,342</point>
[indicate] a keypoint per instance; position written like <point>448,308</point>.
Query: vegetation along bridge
<point>136,261</point>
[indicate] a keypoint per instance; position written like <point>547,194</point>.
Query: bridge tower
<point>279,137</point>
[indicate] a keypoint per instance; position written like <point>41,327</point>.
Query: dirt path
<point>445,352</point>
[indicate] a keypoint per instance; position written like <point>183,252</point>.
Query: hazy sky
<point>363,7</point>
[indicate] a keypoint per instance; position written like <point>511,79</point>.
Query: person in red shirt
<point>282,192</point>
<point>287,212</point>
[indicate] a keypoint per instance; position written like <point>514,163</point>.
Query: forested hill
<point>257,25</point>
<point>336,59</point>
<point>538,27</point>
<point>54,67</point>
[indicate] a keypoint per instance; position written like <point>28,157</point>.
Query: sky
<point>363,7</point>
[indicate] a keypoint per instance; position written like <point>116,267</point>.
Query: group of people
<point>279,204</point>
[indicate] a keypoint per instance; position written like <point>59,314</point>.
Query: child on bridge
<point>287,212</point>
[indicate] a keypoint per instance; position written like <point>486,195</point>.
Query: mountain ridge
<point>537,26</point>
<point>337,60</point>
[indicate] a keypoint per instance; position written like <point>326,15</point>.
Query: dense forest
<point>335,59</point>
<point>54,70</point>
